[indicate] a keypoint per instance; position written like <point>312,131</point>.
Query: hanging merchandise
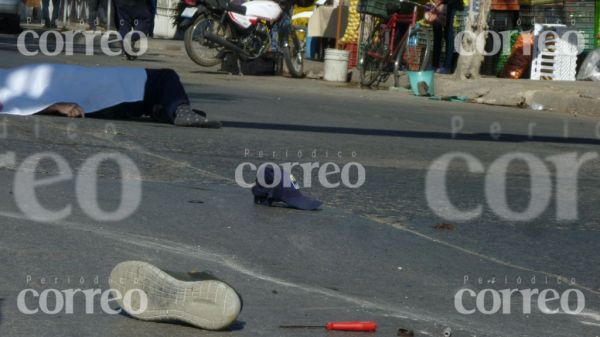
<point>520,58</point>
<point>504,56</point>
<point>351,33</point>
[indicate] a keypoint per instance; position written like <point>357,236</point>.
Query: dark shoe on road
<point>199,299</point>
<point>186,116</point>
<point>127,57</point>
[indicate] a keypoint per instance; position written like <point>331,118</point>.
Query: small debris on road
<point>113,132</point>
<point>405,333</point>
<point>444,226</point>
<point>447,332</point>
<point>196,202</point>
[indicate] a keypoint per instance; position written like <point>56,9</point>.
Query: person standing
<point>97,14</point>
<point>446,31</point>
<point>50,23</point>
<point>132,14</point>
<point>31,7</point>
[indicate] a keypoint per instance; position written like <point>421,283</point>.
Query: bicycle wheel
<point>372,59</point>
<point>416,56</point>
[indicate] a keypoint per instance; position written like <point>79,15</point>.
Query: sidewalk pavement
<point>559,96</point>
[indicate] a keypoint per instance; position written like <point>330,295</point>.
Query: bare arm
<point>72,110</point>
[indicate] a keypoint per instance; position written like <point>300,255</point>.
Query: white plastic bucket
<point>336,65</point>
<point>166,10</point>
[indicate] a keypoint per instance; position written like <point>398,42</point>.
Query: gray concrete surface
<point>369,253</point>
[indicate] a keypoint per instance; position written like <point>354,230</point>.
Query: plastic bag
<point>590,68</point>
<point>518,61</point>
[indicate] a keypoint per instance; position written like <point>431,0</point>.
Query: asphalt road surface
<point>369,254</point>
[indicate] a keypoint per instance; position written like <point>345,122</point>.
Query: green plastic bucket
<point>421,76</point>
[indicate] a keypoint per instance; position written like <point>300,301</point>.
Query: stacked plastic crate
<point>554,57</point>
<point>541,12</point>
<point>580,15</point>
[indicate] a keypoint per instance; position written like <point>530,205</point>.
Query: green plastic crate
<point>361,50</point>
<point>378,7</point>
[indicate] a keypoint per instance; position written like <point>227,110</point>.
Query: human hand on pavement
<point>72,110</point>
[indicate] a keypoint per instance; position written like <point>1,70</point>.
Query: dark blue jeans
<point>133,16</point>
<point>286,20</point>
<point>447,33</point>
<point>97,9</point>
<point>163,88</point>
<point>46,11</point>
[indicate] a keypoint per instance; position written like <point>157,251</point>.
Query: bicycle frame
<point>411,19</point>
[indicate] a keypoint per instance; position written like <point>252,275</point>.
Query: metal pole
<point>108,16</point>
<point>337,36</point>
<point>65,14</point>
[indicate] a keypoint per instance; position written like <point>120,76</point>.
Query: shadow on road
<point>509,138</point>
<point>1,310</point>
<point>235,326</point>
<point>212,96</point>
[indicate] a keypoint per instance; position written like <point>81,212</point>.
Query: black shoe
<point>199,299</point>
<point>186,116</point>
<point>127,57</point>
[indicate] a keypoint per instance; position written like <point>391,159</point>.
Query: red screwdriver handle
<point>352,326</point>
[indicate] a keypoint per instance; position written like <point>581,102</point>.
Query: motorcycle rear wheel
<point>205,53</point>
<point>294,54</point>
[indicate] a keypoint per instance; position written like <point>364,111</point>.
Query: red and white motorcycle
<point>214,28</point>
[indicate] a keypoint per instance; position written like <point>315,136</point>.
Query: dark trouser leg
<point>46,11</point>
<point>152,7</point>
<point>130,16</point>
<point>55,9</point>
<point>93,6</point>
<point>125,21</point>
<point>164,87</point>
<point>449,37</point>
<point>141,21</point>
<point>437,45</point>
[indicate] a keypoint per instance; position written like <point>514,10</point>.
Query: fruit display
<point>351,33</point>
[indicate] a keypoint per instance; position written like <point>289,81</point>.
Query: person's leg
<point>141,16</point>
<point>437,46</point>
<point>164,89</point>
<point>55,11</point>
<point>102,8</point>
<point>125,22</point>
<point>449,35</point>
<point>46,12</point>
<point>152,7</point>
<point>93,11</point>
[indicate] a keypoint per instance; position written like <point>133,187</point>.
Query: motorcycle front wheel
<point>201,51</point>
<point>293,54</point>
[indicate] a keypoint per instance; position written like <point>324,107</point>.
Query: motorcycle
<point>215,28</point>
